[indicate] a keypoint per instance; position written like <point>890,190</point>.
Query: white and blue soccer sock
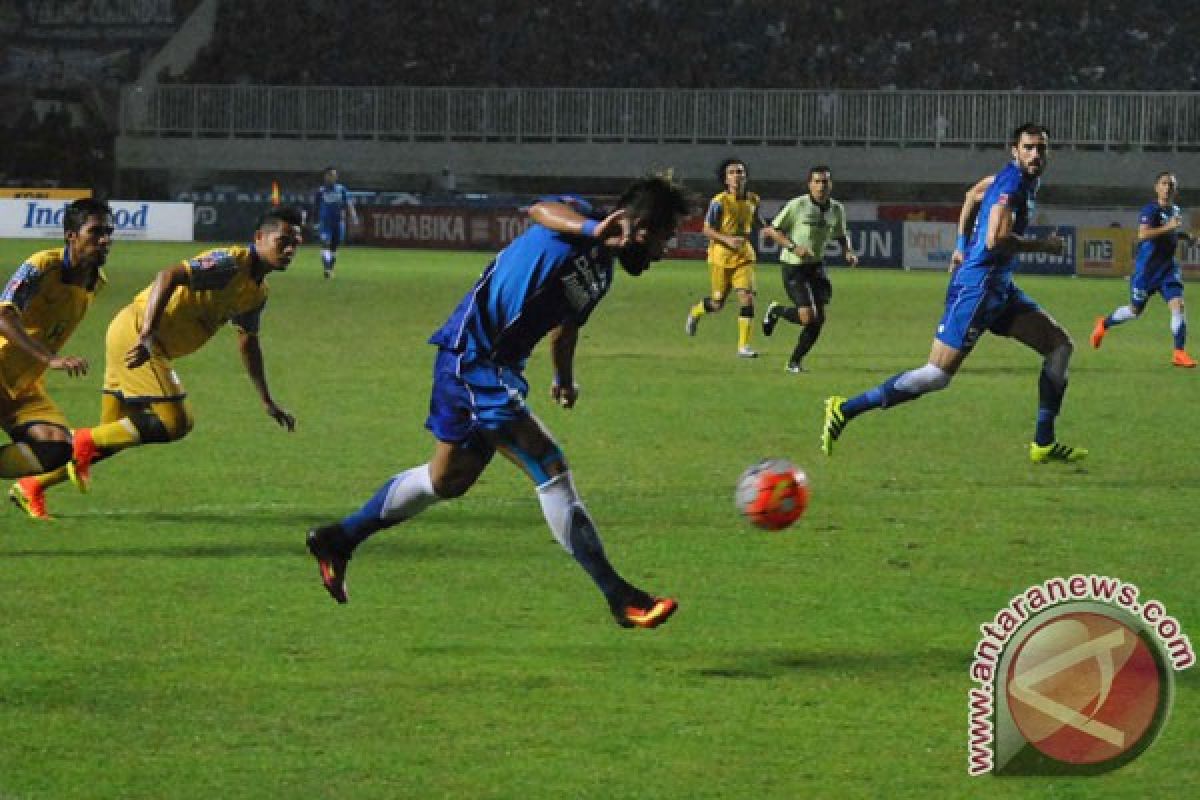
<point>1052,385</point>
<point>401,498</point>
<point>899,388</point>
<point>1122,314</point>
<point>573,528</point>
<point>1179,329</point>
<point>327,259</point>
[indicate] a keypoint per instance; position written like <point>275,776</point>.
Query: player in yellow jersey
<point>728,224</point>
<point>144,401</point>
<point>40,308</point>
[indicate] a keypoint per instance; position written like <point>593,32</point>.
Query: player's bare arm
<point>966,218</point>
<point>562,355</point>
<point>252,359</point>
<point>12,329</point>
<point>1000,236</point>
<point>1171,225</point>
<point>848,251</point>
<point>798,250</point>
<point>165,284</point>
<point>732,242</point>
<point>613,230</point>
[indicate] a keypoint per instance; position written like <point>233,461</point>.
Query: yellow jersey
<point>50,308</point>
<point>221,288</point>
<point>733,216</point>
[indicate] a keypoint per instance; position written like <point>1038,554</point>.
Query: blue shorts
<point>1166,282</point>
<point>472,396</point>
<point>971,310</point>
<point>331,235</point>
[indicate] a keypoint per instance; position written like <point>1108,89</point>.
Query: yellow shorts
<point>726,278</point>
<point>31,404</point>
<point>151,382</point>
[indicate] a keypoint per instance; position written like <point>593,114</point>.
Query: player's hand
<point>140,353</point>
<point>565,396</point>
<point>615,229</point>
<point>956,259</point>
<point>851,258</point>
<point>735,242</point>
<point>72,365</point>
<point>800,251</point>
<point>1055,245</point>
<point>282,416</point>
<point>1174,223</point>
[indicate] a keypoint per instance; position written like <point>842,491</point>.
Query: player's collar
<point>256,262</point>
<point>825,207</point>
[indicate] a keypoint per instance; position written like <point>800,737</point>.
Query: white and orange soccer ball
<point>772,494</point>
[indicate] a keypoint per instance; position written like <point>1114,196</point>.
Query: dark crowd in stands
<point>1068,45</point>
<point>806,44</point>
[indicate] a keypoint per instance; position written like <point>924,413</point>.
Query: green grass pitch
<point>167,636</point>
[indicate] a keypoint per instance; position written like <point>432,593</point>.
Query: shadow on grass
<point>767,665</point>
<point>413,550</point>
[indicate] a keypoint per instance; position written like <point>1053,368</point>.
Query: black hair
<point>278,216</point>
<point>819,168</point>
<point>79,210</point>
<point>724,166</point>
<point>1028,129</point>
<point>655,202</point>
<point>1163,174</point>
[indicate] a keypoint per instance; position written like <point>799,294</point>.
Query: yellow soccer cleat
<point>835,423</point>
<point>1044,454</point>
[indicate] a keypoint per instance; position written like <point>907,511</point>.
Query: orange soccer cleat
<point>1098,332</point>
<point>79,468</point>
<point>641,610</point>
<point>1180,358</point>
<point>29,496</point>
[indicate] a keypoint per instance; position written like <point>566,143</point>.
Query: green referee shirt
<point>810,225</point>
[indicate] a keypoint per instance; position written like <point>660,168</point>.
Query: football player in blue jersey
<point>545,284</point>
<point>333,208</point>
<point>983,297</point>
<point>1155,268</point>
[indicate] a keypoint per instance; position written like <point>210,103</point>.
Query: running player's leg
<point>720,287</point>
<point>1173,294</point>
<point>1039,331</point>
<point>1139,294</point>
<point>527,444</point>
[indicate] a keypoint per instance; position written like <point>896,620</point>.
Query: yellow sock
<point>114,436</point>
<point>52,478</point>
<point>697,311</point>
<point>744,326</point>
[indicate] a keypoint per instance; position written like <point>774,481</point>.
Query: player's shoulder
<point>575,201</point>
<point>44,260</point>
<point>719,199</point>
<point>228,256</point>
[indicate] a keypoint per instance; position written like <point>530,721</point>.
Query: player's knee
<point>163,422</point>
<point>714,303</point>
<point>50,454</point>
<point>929,378</point>
<point>1058,358</point>
<point>451,485</point>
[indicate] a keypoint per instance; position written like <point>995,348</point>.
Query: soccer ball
<point>772,494</point>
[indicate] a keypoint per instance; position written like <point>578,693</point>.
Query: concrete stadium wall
<point>186,161</point>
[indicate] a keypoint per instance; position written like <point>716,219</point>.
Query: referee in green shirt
<point>802,228</point>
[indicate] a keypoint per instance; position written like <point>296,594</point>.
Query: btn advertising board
<point>929,245</point>
<point>878,244</point>
<point>42,219</point>
<point>1105,252</point>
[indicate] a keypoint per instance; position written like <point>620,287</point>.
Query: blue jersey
<point>331,204</point>
<point>540,281</point>
<point>1156,255</point>
<point>1014,190</point>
